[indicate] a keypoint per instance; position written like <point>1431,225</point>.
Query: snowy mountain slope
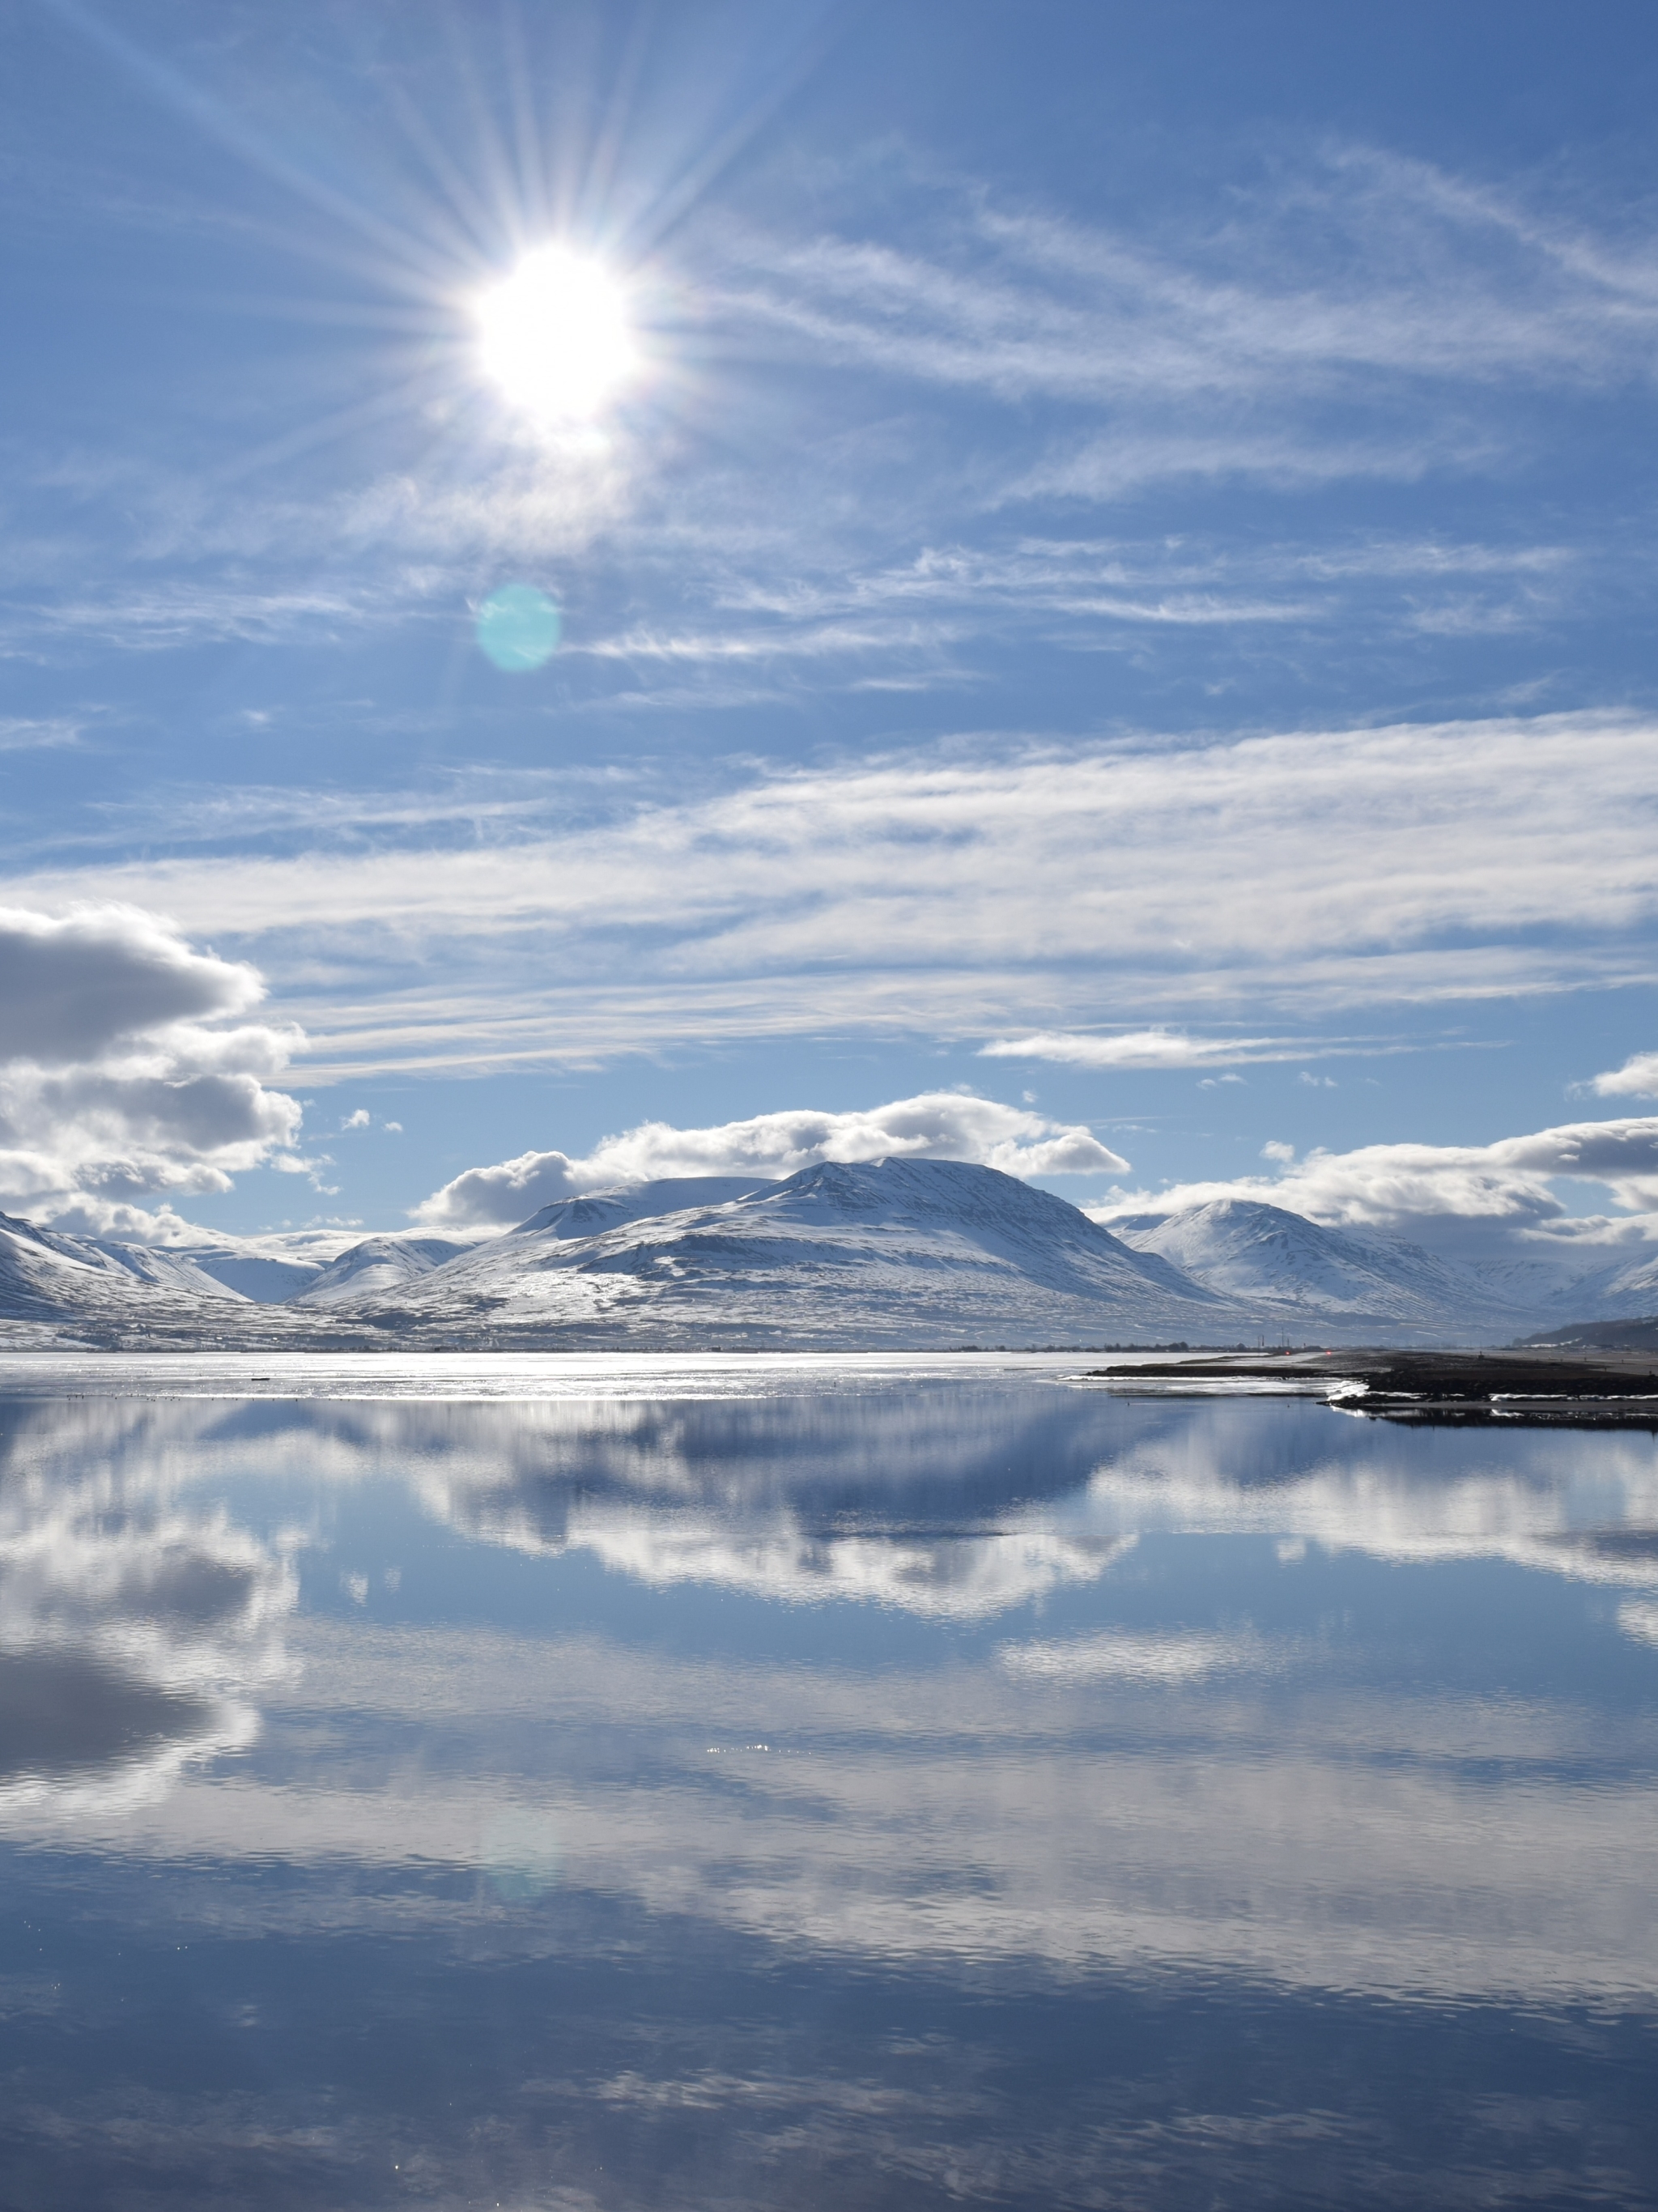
<point>896,1253</point>
<point>1332,1281</point>
<point>36,1261</point>
<point>1625,1288</point>
<point>263,1278</point>
<point>378,1265</point>
<point>588,1215</point>
<point>899,1253</point>
<point>90,1288</point>
<point>162,1266</point>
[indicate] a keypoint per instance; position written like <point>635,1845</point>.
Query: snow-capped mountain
<point>90,1286</point>
<point>264,1277</point>
<point>1330,1281</point>
<point>896,1252</point>
<point>1626,1289</point>
<point>609,1209</point>
<point>377,1266</point>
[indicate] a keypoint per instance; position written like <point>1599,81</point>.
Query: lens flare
<point>518,629</point>
<point>553,335</point>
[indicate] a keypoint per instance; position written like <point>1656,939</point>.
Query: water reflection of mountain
<point>942,1498</point>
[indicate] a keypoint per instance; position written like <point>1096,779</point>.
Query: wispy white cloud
<point>937,1125</point>
<point>960,891</point>
<point>1402,280</point>
<point>1161,1048</point>
<point>1290,347</point>
<point>1103,467</point>
<point>21,733</point>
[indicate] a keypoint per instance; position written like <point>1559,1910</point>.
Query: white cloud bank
<point>123,1070</point>
<point>1476,1199</point>
<point>937,1125</point>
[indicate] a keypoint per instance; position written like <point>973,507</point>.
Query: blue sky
<point>1118,583</point>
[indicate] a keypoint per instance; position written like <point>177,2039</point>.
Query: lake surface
<point>574,1783</point>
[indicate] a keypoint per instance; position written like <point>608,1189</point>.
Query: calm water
<point>779,1784</point>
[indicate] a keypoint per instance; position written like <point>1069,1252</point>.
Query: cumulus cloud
<point>1474,1197</point>
<point>120,1075</point>
<point>937,1125</point>
<point>71,985</point>
<point>1637,1079</point>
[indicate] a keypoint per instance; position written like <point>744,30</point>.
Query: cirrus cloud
<point>1155,1048</point>
<point>958,893</point>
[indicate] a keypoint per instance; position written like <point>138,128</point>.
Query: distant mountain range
<point>896,1253</point>
<point>1309,1278</point>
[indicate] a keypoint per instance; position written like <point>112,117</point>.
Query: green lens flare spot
<point>518,629</point>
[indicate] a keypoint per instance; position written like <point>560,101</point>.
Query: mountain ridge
<point>893,1254</point>
<point>888,1253</point>
<point>1301,1270</point>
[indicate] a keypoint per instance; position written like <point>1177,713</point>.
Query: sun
<point>553,335</point>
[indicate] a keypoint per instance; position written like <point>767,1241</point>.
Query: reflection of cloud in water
<point>964,1503</point>
<point>956,1576</point>
<point>1115,1657</point>
<point>1445,1846</point>
<point>135,1633</point>
<point>942,1499</point>
<point>1145,1801</point>
<point>916,1501</point>
<point>1586,1508</point>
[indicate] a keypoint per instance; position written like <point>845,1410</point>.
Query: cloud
<point>119,1073</point>
<point>1157,1048</point>
<point>72,985</point>
<point>1410,275</point>
<point>26,733</point>
<point>1637,1079</point>
<point>937,1125</point>
<point>1475,1198</point>
<point>952,893</point>
<point>1177,1848</point>
<point>1113,466</point>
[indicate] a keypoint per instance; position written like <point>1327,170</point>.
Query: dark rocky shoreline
<point>1526,1385</point>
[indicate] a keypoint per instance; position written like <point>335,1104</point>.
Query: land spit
<point>1525,1385</point>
